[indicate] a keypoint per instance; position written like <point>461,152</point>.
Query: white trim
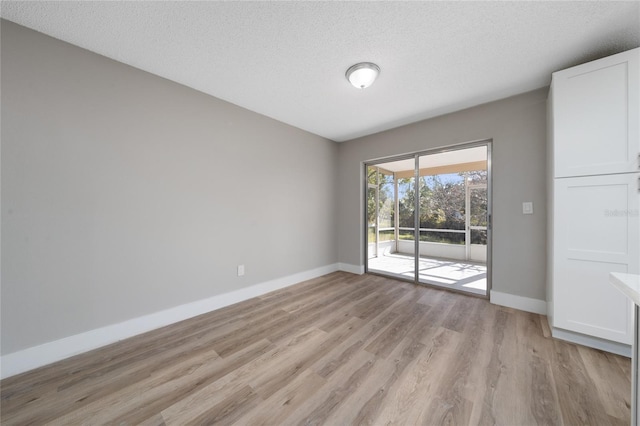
<point>353,269</point>
<point>522,303</point>
<point>37,356</point>
<point>592,342</point>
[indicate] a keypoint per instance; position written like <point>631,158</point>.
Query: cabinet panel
<point>596,222</point>
<point>595,108</point>
<point>589,304</point>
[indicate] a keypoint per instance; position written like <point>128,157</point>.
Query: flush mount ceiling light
<point>363,75</point>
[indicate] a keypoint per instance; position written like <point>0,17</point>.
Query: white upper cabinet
<point>596,126</point>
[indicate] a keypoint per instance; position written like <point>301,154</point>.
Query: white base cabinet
<point>596,233</point>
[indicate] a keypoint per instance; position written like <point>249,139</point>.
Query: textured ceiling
<point>287,60</point>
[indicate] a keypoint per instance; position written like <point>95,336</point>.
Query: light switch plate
<point>527,207</point>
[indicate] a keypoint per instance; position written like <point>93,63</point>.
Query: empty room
<point>319,212</point>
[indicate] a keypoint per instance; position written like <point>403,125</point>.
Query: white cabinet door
<point>595,123</point>
<point>597,229</point>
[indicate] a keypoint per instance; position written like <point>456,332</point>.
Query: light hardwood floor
<point>337,350</point>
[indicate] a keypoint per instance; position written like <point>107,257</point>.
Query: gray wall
<point>125,194</point>
<point>517,126</point>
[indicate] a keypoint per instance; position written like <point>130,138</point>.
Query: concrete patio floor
<point>460,275</point>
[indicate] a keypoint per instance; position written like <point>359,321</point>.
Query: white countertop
<point>629,284</point>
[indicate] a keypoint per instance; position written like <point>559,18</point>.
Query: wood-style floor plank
<point>338,349</point>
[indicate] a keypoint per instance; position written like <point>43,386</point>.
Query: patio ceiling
<point>455,161</point>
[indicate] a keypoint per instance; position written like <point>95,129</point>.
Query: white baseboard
<point>47,353</point>
<point>522,303</point>
<point>592,342</point>
<point>353,269</point>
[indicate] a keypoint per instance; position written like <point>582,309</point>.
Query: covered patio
<point>440,200</point>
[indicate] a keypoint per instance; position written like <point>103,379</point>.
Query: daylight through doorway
<point>428,218</point>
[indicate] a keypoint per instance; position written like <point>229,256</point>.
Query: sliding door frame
<point>415,156</point>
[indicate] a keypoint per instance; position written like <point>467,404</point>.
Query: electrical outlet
<point>527,207</point>
<point>240,270</point>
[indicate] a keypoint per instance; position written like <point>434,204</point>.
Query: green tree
<point>384,184</point>
<point>442,205</point>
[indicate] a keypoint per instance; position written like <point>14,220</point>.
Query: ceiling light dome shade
<point>363,75</point>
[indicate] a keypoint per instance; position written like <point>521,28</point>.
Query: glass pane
<point>387,235</point>
<point>371,222</point>
<point>478,206</point>
<point>372,175</point>
<point>386,204</point>
<point>442,199</point>
<point>442,237</point>
<point>406,208</point>
<point>476,177</point>
<point>478,237</point>
<point>394,257</point>
<point>406,234</point>
<point>445,206</point>
<point>371,212</point>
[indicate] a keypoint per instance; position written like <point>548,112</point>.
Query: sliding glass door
<point>428,218</point>
<point>389,240</point>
